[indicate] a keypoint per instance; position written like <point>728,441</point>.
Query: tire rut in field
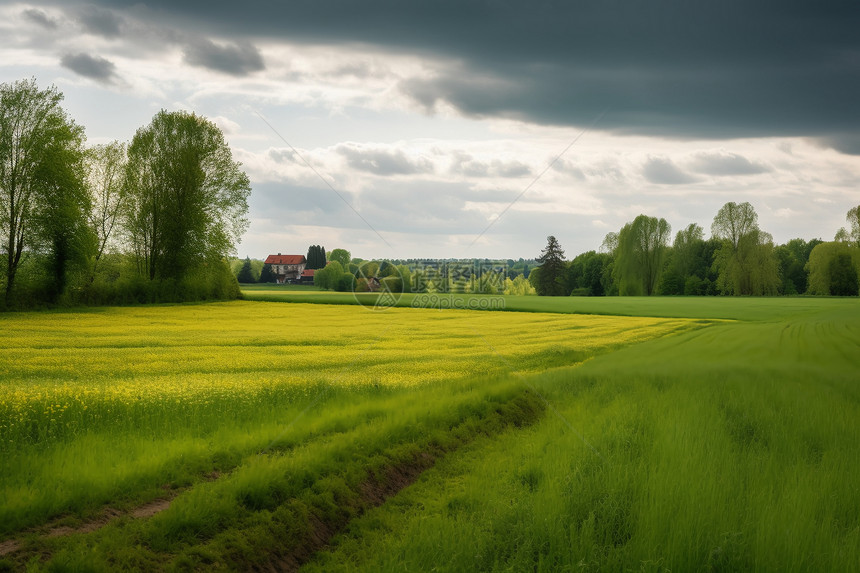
<point>385,483</point>
<point>104,517</point>
<point>108,514</point>
<point>321,526</point>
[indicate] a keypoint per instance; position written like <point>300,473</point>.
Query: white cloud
<point>226,125</point>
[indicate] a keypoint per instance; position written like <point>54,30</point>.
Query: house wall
<point>285,273</point>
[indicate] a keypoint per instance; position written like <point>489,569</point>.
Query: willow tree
<point>640,255</point>
<point>851,235</point>
<point>187,199</point>
<point>685,249</point>
<point>745,261</point>
<point>827,263</point>
<point>42,200</point>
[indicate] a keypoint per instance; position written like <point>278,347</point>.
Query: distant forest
<point>641,259</point>
<point>738,259</point>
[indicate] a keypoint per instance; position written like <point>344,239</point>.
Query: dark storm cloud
<point>846,143</point>
<point>669,67</point>
<point>93,67</point>
<point>239,59</point>
<point>40,17</point>
<point>662,171</point>
<point>99,21</point>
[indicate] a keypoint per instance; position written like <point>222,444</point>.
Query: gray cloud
<point>673,68</point>
<point>661,170</point>
<point>93,67</point>
<point>384,161</point>
<point>726,164</point>
<point>292,202</point>
<point>283,155</point>
<point>239,59</point>
<point>846,143</point>
<point>465,164</point>
<point>423,207</point>
<point>568,167</point>
<point>101,22</point>
<point>40,17</point>
<point>426,207</point>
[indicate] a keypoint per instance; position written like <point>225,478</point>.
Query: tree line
<point>431,277</point>
<point>149,220</point>
<point>738,259</point>
<point>341,272</point>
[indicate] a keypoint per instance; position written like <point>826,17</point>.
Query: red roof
<point>308,273</point>
<point>285,259</point>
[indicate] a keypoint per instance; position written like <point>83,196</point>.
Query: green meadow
<point>739,308</point>
<point>566,434</point>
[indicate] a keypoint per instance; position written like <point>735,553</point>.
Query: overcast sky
<point>476,129</point>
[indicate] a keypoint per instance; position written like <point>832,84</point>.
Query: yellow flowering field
<point>63,373</point>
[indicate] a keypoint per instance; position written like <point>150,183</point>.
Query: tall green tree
<point>550,277</point>
<point>685,249</point>
<point>329,276</point>
<point>641,253</point>
<point>733,222</point>
<point>683,262</point>
<point>105,176</point>
<point>42,199</point>
<point>746,263</point>
<point>792,258</point>
<point>315,257</point>
<point>64,236</point>
<point>266,275</point>
<point>187,198</point>
<point>245,274</point>
<point>342,256</point>
<point>826,267</point>
<point>852,233</point>
<point>843,276</point>
<point>750,269</point>
<point>585,273</point>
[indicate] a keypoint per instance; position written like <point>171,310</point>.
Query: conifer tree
<point>551,273</point>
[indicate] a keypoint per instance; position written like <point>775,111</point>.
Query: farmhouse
<point>287,268</point>
<point>307,276</point>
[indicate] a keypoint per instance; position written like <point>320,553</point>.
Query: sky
<point>460,129</point>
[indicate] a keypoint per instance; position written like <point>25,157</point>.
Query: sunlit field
<point>117,406</point>
<point>67,372</point>
<point>259,435</point>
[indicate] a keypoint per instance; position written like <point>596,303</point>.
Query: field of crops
<point>115,406</point>
<point>258,435</point>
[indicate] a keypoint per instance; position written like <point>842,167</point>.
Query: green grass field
<point>716,434</point>
<point>748,308</point>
